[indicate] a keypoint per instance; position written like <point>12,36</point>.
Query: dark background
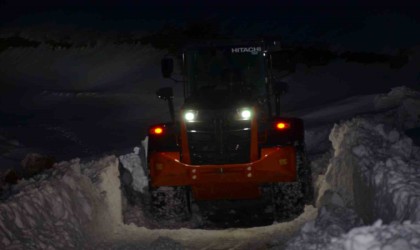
<point>340,48</point>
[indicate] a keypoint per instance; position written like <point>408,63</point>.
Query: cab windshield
<point>233,71</point>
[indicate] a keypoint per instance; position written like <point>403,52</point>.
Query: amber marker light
<point>156,131</point>
<point>282,125</point>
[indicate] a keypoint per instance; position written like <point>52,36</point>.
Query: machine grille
<point>219,140</point>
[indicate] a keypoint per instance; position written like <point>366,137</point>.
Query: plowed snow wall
<point>63,208</point>
<point>375,169</point>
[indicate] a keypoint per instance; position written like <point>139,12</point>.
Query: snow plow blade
<point>229,181</point>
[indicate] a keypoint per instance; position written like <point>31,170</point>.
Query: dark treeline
<point>172,38</point>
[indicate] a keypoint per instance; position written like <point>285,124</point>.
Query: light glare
<point>246,114</point>
<point>189,116</point>
<point>282,125</point>
<point>157,131</point>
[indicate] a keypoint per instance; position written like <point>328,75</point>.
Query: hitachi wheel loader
<point>228,141</point>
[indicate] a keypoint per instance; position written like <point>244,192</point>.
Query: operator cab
<point>219,74</point>
<point>223,76</point>
<point>224,72</point>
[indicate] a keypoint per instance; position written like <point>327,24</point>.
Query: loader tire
<point>289,199</point>
<point>305,177</point>
<point>170,203</point>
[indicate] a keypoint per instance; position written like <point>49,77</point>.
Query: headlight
<point>190,115</point>
<point>245,114</point>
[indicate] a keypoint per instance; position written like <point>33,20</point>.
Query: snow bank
<point>395,97</point>
<point>73,206</point>
<point>403,107</point>
<point>328,232</point>
<point>60,208</point>
<point>133,164</point>
<point>374,175</point>
<point>79,206</point>
<point>378,236</point>
<point>399,108</point>
<point>332,221</point>
<point>376,169</point>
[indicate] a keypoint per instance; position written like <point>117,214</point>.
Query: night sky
<point>354,25</point>
<point>387,29</point>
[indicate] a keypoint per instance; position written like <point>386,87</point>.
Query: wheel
<point>305,176</point>
<point>289,199</point>
<point>170,203</point>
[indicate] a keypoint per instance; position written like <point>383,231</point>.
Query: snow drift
<point>373,174</point>
<point>72,206</point>
<point>79,206</point>
<point>385,176</point>
<point>60,208</point>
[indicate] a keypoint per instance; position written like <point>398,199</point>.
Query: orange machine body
<point>229,181</point>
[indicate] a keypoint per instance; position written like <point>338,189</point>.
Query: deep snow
<point>372,175</point>
<point>371,187</point>
<point>79,205</point>
<point>366,169</point>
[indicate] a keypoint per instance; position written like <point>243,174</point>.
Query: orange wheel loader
<point>228,141</point>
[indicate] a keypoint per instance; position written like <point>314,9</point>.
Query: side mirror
<point>280,88</point>
<point>165,93</point>
<point>167,66</point>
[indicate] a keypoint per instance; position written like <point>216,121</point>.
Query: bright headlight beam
<point>189,116</point>
<point>246,114</point>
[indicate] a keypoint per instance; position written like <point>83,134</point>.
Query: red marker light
<point>156,131</point>
<point>282,125</point>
